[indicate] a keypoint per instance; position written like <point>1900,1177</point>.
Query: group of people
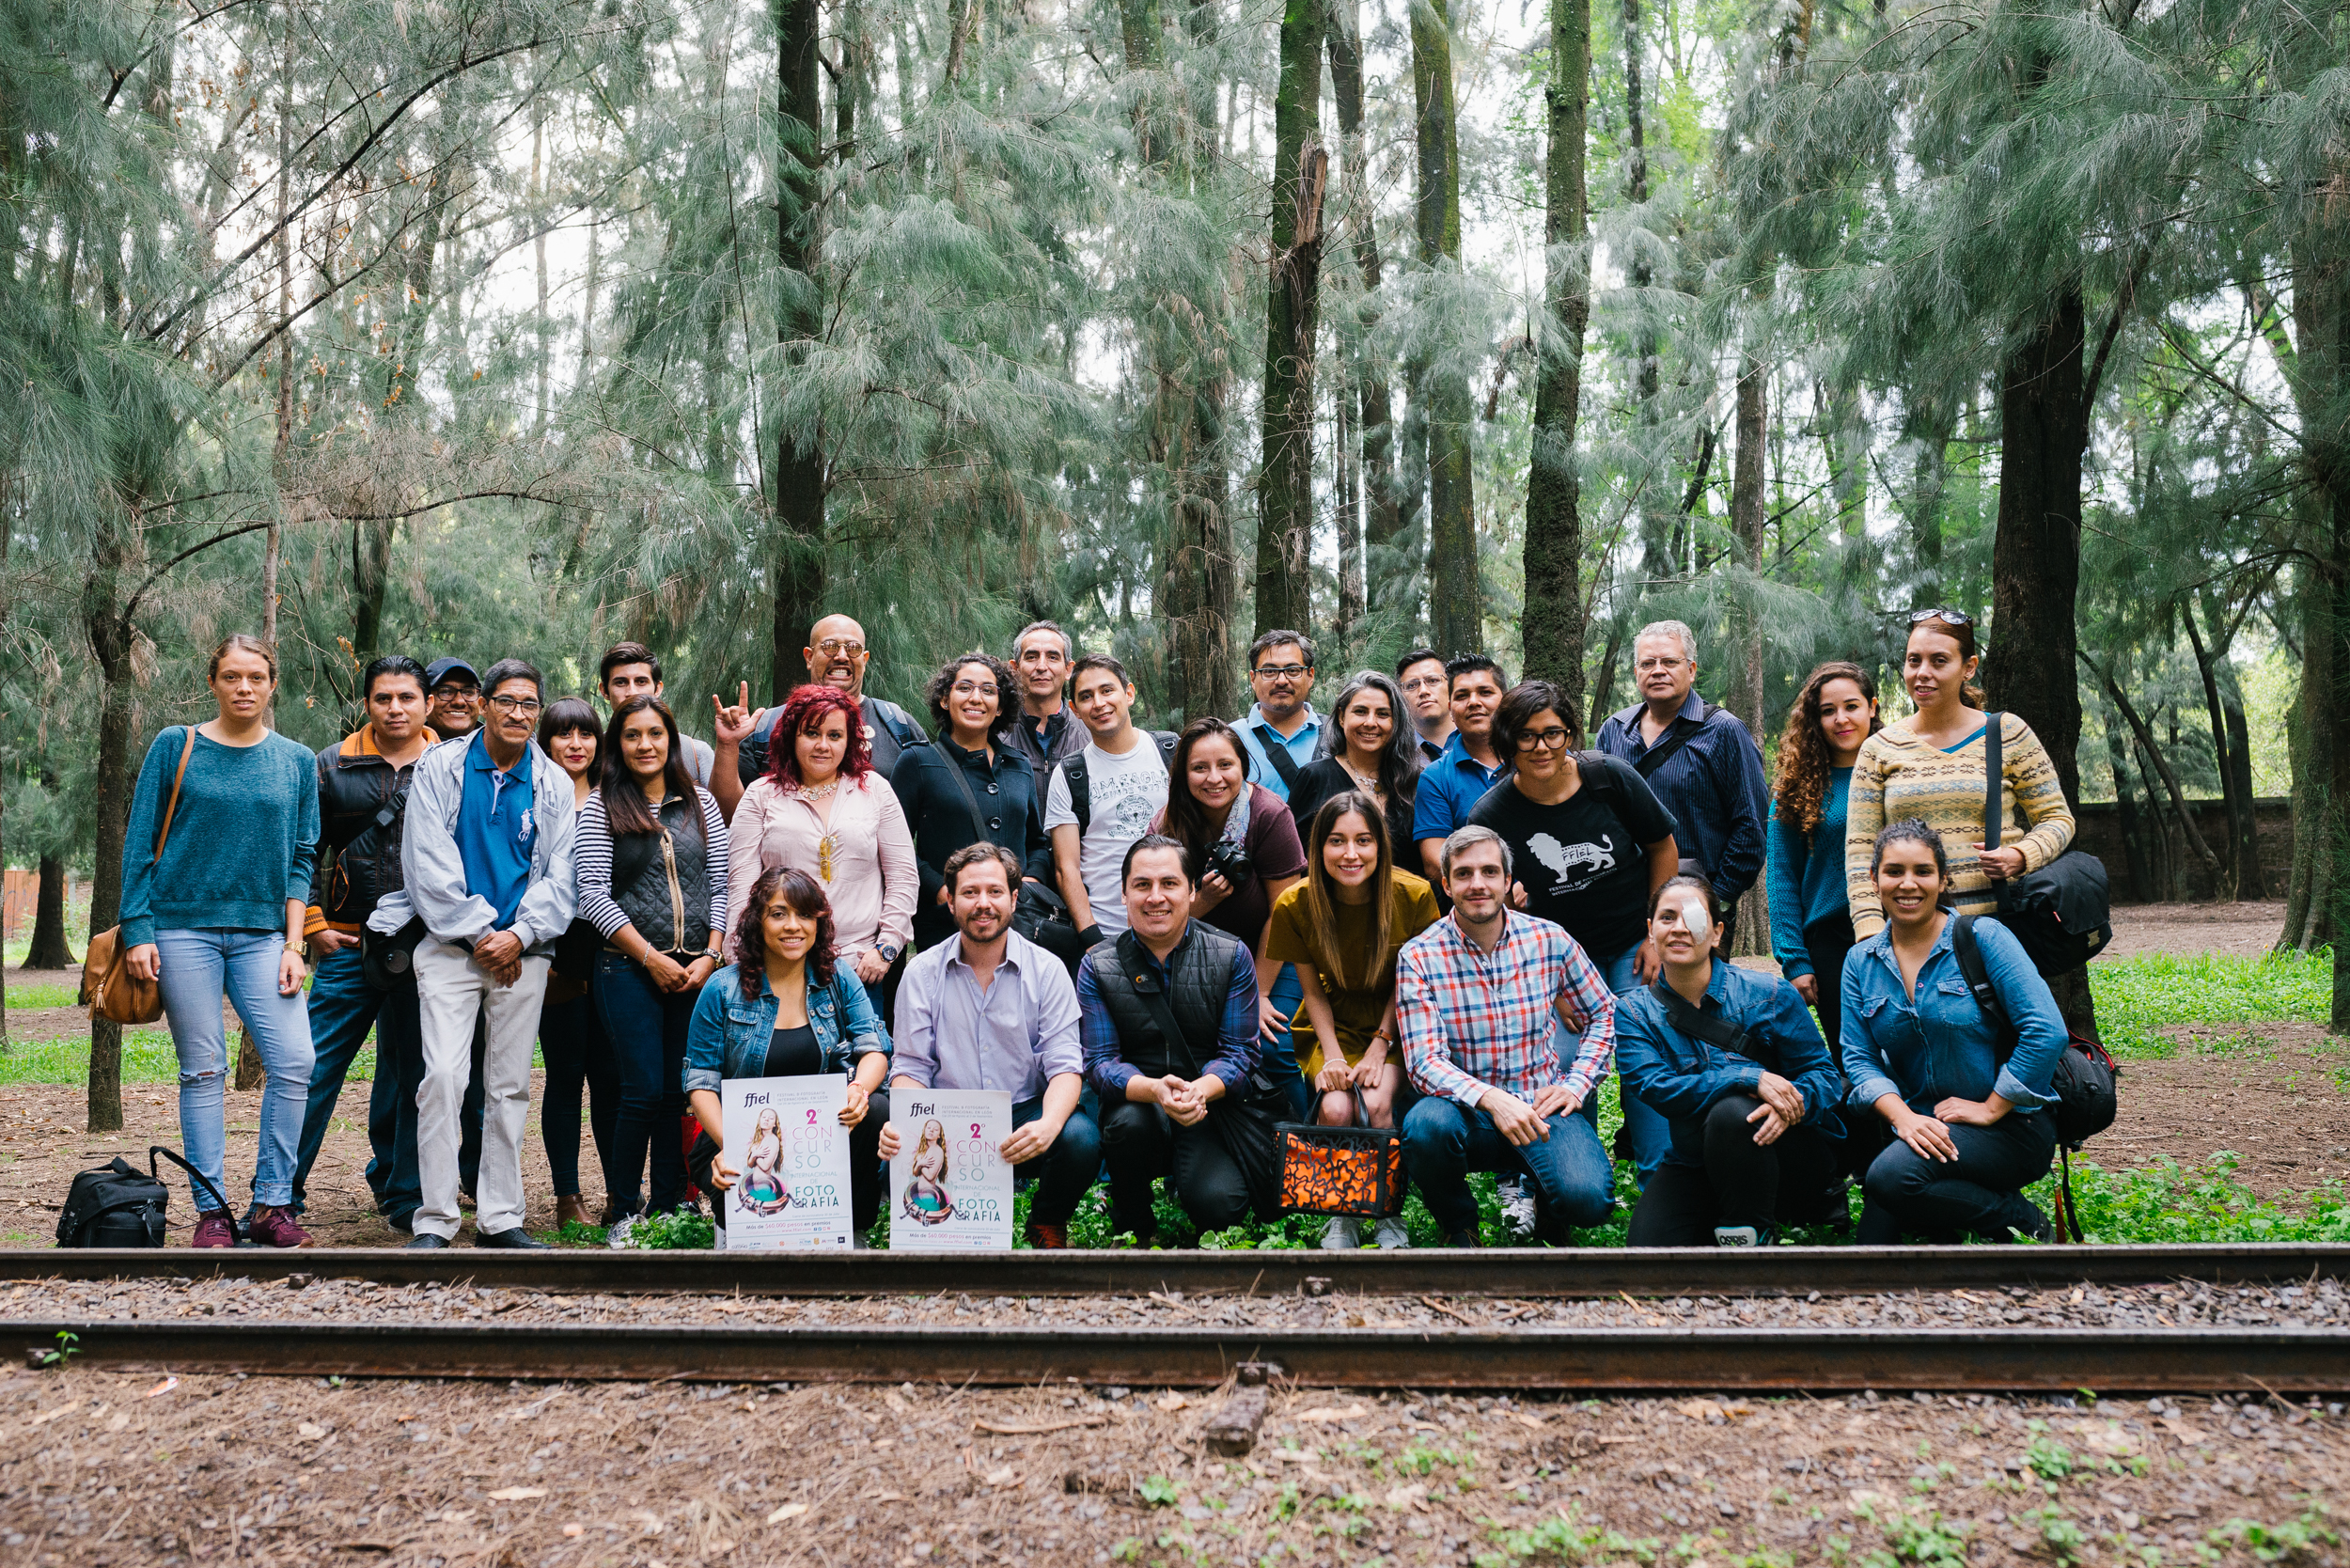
<point>1431,909</point>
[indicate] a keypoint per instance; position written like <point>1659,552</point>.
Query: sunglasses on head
<point>1954,618</point>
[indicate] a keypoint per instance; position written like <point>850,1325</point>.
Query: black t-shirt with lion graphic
<point>1583,862</point>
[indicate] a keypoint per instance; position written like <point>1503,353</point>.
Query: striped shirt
<point>591,858</point>
<point>1473,1021</point>
<point>1899,775</point>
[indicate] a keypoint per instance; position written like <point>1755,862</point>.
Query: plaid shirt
<point>1472,1022</point>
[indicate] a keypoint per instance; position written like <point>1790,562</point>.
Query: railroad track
<point>1562,1272</point>
<point>1611,1360</point>
<point>1599,1361</point>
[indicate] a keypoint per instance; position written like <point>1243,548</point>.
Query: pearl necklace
<point>820,792</point>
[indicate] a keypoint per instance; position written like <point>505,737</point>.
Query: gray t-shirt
<point>1122,795</point>
<point>699,755</point>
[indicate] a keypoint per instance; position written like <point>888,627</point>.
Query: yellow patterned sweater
<point>1899,776</point>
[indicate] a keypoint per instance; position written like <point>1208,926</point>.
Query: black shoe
<point>517,1237</point>
<point>425,1241</point>
<point>404,1220</point>
<point>1463,1238</point>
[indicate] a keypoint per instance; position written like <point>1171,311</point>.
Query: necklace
<point>1370,786</point>
<point>820,792</point>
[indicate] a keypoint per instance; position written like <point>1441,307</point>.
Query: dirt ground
<point>126,1469</point>
<point>2229,929</point>
<point>2275,1094</point>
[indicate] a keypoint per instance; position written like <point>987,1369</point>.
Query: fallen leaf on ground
<point>895,1401</point>
<point>652,1522</point>
<point>1170,1402</point>
<point>311,1429</point>
<point>1412,1497</point>
<point>1524,1419</point>
<point>1334,1413</point>
<point>574,1530</point>
<point>167,1386</point>
<point>1699,1409</point>
<point>1032,1429</point>
<point>789,1511</point>
<point>2183,1432</point>
<point>123,1418</point>
<point>61,1410</point>
<point>1004,1477</point>
<point>520,1493</point>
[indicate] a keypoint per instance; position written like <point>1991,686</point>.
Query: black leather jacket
<point>361,801</point>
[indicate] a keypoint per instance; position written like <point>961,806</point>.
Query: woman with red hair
<point>823,808</point>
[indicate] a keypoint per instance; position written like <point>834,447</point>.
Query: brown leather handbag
<point>108,984</point>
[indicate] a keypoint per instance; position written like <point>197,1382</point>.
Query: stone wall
<point>2100,834</point>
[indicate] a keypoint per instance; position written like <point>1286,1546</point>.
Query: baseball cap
<point>441,669</point>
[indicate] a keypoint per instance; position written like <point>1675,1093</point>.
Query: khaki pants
<point>451,991</point>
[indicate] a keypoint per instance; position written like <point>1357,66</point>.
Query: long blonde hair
<point>1321,903</point>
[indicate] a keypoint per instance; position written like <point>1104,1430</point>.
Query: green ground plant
<point>2138,997</point>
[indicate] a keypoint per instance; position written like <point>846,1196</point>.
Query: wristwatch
<point>888,951</point>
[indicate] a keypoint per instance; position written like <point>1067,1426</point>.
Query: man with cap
<point>453,695</point>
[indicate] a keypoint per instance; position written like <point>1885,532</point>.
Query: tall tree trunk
<point>1746,515</point>
<point>1345,478</point>
<point>110,641</point>
<point>1553,625</point>
<point>2310,741</point>
<point>1292,307</point>
<point>1383,513</point>
<point>2240,867</point>
<point>273,551</point>
<point>49,949</point>
<point>1455,601</point>
<point>797,563</point>
<point>2036,558</point>
<point>2322,304</point>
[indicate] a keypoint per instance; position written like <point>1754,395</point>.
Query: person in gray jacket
<point>487,860</point>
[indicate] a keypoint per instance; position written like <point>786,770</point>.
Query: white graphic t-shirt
<point>1123,794</point>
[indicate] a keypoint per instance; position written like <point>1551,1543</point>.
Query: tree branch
<point>155,576</point>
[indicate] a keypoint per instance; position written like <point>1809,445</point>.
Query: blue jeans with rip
<point>343,1007</point>
<point>1444,1140</point>
<point>198,968</point>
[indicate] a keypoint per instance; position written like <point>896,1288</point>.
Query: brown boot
<point>569,1210</point>
<point>1052,1237</point>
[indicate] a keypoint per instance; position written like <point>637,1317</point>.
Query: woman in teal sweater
<point>1810,916</point>
<point>220,911</point>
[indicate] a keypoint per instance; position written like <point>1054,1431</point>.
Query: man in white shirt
<point>1119,783</point>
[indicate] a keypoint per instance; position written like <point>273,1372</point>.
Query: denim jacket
<point>1680,1078</point>
<point>728,1035</point>
<point>1940,1045</point>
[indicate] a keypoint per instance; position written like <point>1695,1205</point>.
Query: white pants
<point>451,991</point>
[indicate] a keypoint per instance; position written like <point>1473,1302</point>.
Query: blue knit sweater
<point>1805,878</point>
<point>243,842</point>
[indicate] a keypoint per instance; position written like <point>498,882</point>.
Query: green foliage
<point>2165,1203</point>
<point>683,1232</point>
<point>2139,996</point>
<point>2284,1542</point>
<point>67,1346</point>
<point>1159,1492</point>
<point>1565,1541</point>
<point>1914,1535</point>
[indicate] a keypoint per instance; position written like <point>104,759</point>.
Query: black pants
<point>1740,1183</point>
<point>1140,1143</point>
<point>1979,1193</point>
<point>1828,941</point>
<point>866,1175</point>
<point>579,1065</point>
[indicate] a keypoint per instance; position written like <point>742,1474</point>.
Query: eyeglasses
<point>1954,618</point>
<point>1553,739</point>
<point>833,647</point>
<point>515,705</point>
<point>1281,672</point>
<point>455,693</point>
<point>971,689</point>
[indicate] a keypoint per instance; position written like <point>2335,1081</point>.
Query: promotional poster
<point>784,1134</point>
<point>949,1191</point>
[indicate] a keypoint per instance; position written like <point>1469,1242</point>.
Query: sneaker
<point>1342,1234</point>
<point>1050,1238</point>
<point>213,1228</point>
<point>1741,1235</point>
<point>617,1236</point>
<point>275,1226</point>
<point>1517,1206</point>
<point>1389,1233</point>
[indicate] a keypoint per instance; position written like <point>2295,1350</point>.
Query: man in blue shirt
<point>487,859</point>
<point>1282,733</point>
<point>1699,760</point>
<point>1467,767</point>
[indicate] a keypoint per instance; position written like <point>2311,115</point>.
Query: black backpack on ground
<point>120,1205</point>
<point>2087,1098</point>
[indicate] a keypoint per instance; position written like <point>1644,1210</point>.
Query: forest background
<point>520,326</point>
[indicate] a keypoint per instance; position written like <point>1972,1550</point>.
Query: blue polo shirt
<point>1256,731</point>
<point>494,826</point>
<point>1448,786</point>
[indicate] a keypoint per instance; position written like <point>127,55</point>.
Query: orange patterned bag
<point>1356,1172</point>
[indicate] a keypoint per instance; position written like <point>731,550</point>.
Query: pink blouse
<point>875,877</point>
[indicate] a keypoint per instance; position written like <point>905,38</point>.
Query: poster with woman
<point>949,1191</point>
<point>784,1134</point>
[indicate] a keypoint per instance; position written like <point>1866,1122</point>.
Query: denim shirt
<point>1680,1078</point>
<point>728,1035</point>
<point>1940,1045</point>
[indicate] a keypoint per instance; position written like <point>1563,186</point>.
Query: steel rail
<point>1608,1360</point>
<point>1565,1272</point>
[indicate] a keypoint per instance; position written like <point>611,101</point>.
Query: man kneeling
<point>989,1008</point>
<point>1168,1019</point>
<point>1475,998</point>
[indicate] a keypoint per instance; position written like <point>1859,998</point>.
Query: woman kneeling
<point>1970,1124</point>
<point>1732,1062</point>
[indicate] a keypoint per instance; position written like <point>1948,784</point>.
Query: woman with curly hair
<point>1811,916</point>
<point>972,785</point>
<point>821,807</point>
<point>788,1008</point>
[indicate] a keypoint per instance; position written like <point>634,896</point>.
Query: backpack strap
<point>1080,789</point>
<point>1993,816</point>
<point>1180,1047</point>
<point>236,1231</point>
<point>1971,965</point>
<point>1276,752</point>
<point>1697,1024</point>
<point>1598,777</point>
<point>1685,729</point>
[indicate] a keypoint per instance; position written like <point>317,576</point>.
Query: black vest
<point>640,880</point>
<point>1200,972</point>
